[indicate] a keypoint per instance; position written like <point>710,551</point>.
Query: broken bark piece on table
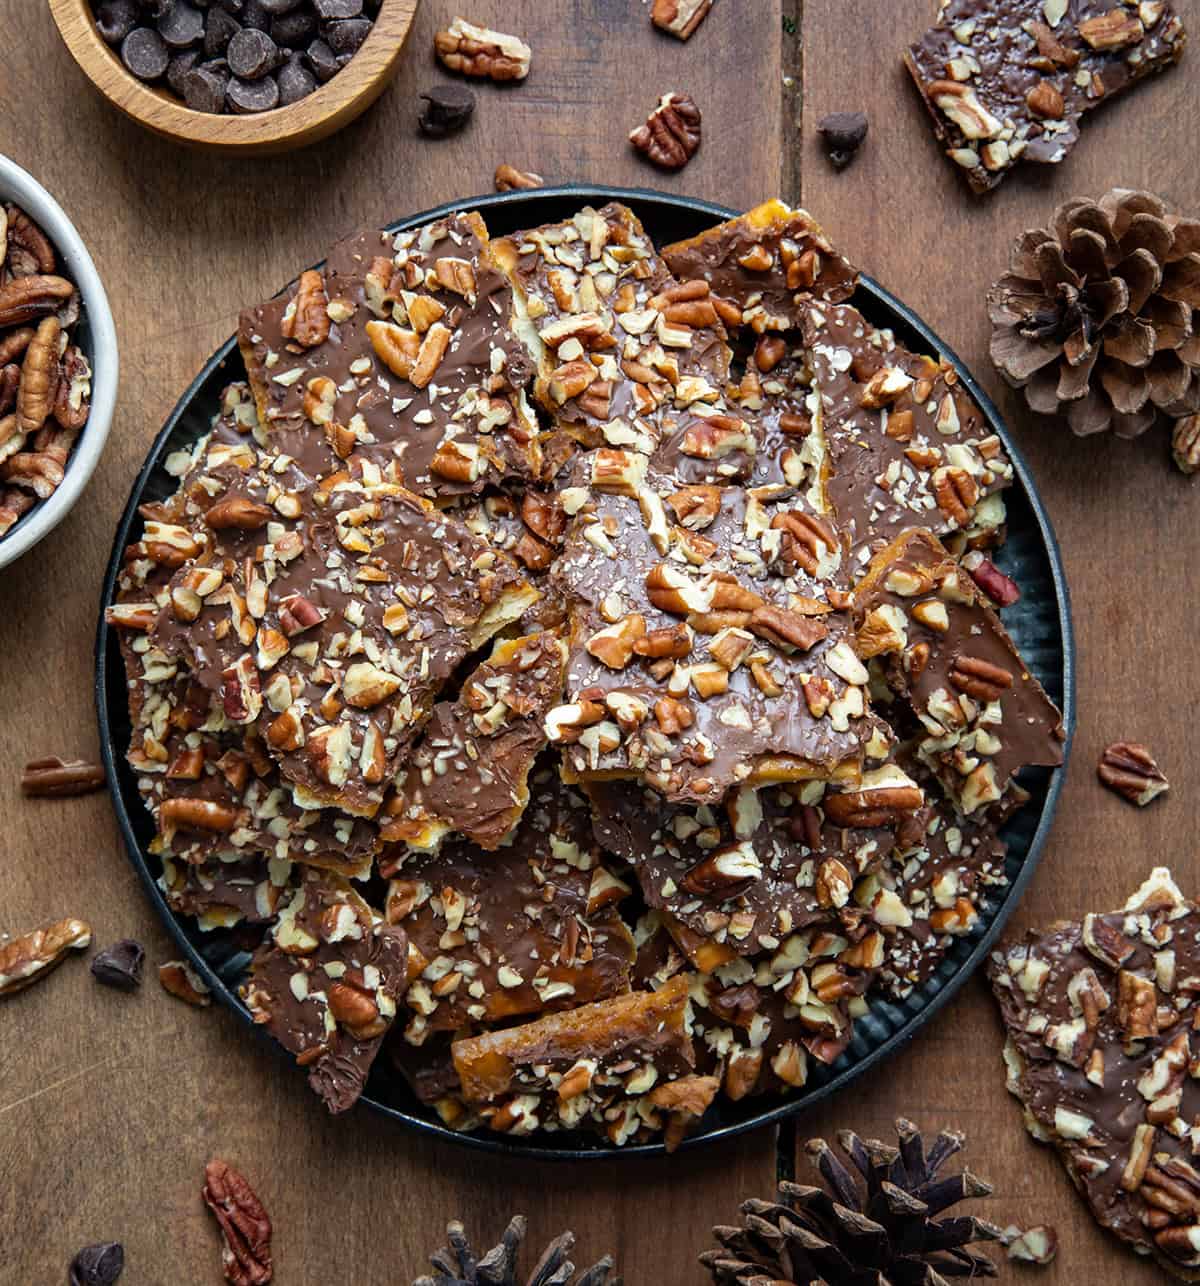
<point>709,654</point>
<point>905,444</point>
<point>765,266</point>
<point>399,353</point>
<point>530,928</point>
<point>326,985</point>
<point>977,713</point>
<point>1007,81</point>
<point>1099,1017</point>
<point>619,347</point>
<point>469,772</point>
<point>622,1066</point>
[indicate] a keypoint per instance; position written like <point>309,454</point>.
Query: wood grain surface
<point>111,1104</point>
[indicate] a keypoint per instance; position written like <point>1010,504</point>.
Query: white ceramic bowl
<point>97,338</point>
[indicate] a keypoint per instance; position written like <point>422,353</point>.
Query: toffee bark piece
<point>226,890</point>
<point>527,929</point>
<point>979,715</point>
<point>402,357</point>
<point>333,631</point>
<point>1100,1017</point>
<point>327,983</point>
<point>706,647</point>
<point>469,773</point>
<point>1007,81</point>
<point>607,1066</point>
<point>622,351</point>
<point>905,444</point>
<point>765,266</point>
<point>747,875</point>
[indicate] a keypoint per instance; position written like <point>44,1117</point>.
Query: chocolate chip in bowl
<point>249,76</point>
<point>670,532</point>
<point>58,363</point>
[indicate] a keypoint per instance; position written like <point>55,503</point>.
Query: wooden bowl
<point>334,104</point>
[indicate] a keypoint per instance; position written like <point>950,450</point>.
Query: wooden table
<point>111,1104</point>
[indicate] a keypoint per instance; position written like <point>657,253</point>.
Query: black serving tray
<point>1040,624</point>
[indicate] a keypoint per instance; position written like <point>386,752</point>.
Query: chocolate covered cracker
<point>399,352</point>
<point>469,773</point>
<point>1101,1018</point>
<point>765,266</point>
<point>979,715</point>
<point>1008,81</point>
<point>326,985</point>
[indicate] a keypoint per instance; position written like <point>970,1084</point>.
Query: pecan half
<point>671,134</point>
<point>35,393</point>
<point>979,678</point>
<point>54,776</point>
<point>237,511</point>
<point>26,959</point>
<point>26,298</point>
<point>787,630</point>
<point>1128,768</point>
<point>307,322</point>
<point>478,51</point>
<point>1001,589</point>
<point>883,806</point>
<point>245,1226</point>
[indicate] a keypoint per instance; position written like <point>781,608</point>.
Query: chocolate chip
<point>293,29</point>
<point>221,29</point>
<point>252,54</point>
<point>156,9</point>
<point>326,9</point>
<point>254,15</point>
<point>98,1265</point>
<point>182,27</point>
<point>842,134</point>
<point>322,61</point>
<point>235,8</point>
<point>346,37</point>
<point>204,90</point>
<point>295,81</point>
<point>248,96</point>
<point>180,66</point>
<point>120,965</point>
<point>276,7</point>
<point>447,109</point>
<point>115,19</point>
<point>144,53</point>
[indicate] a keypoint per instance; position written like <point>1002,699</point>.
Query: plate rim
<point>908,1029</point>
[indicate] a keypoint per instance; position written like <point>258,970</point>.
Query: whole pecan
<point>1130,770</point>
<point>26,959</point>
<point>245,1227</point>
<point>671,134</point>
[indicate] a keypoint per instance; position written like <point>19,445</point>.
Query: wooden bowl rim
<point>356,86</point>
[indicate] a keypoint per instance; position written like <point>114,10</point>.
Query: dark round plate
<point>1040,623</point>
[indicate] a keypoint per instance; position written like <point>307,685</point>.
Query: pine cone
<point>456,1264</point>
<point>887,1234</point>
<point>1097,319</point>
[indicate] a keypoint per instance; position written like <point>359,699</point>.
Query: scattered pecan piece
<point>245,1227</point>
<point>120,965</point>
<point>98,1265</point>
<point>1185,444</point>
<point>184,983</point>
<point>26,959</point>
<point>1036,1245</point>
<point>53,777</point>
<point>477,51</point>
<point>679,17</point>
<point>843,134</point>
<point>1001,589</point>
<point>509,179</point>
<point>1129,769</point>
<point>671,134</point>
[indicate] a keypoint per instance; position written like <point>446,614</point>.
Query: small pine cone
<point>1098,318</point>
<point>456,1265</point>
<point>860,1234</point>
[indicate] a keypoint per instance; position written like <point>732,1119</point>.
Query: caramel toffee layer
<point>585,606</point>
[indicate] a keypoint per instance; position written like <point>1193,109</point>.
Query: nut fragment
<point>1002,590</point>
<point>1036,1245</point>
<point>1185,444</point>
<point>54,776</point>
<point>24,960</point>
<point>478,51</point>
<point>509,179</point>
<point>679,17</point>
<point>671,134</point>
<point>182,981</point>
<point>1112,30</point>
<point>245,1227</point>
<point>1129,769</point>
